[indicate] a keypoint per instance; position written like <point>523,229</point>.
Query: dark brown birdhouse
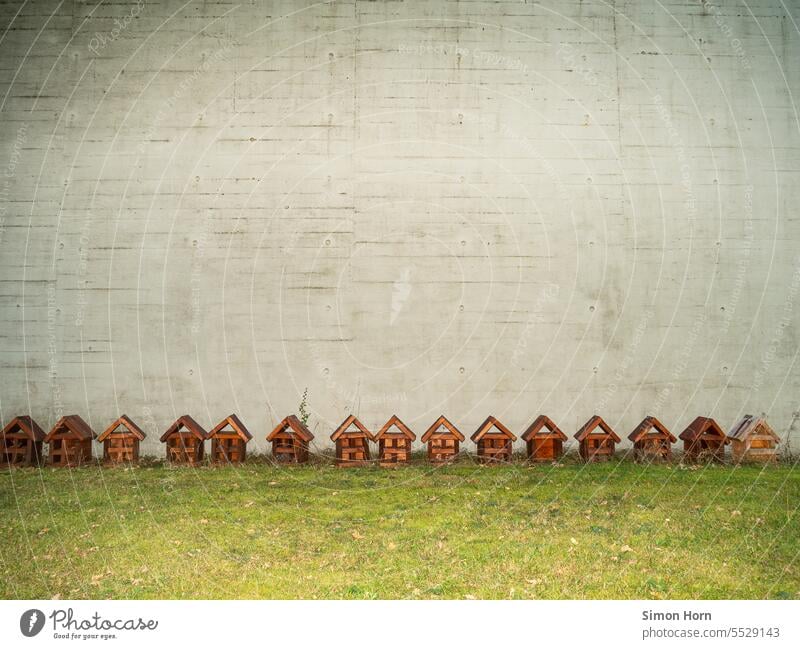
<point>753,440</point>
<point>544,440</point>
<point>70,442</point>
<point>394,446</point>
<point>121,441</point>
<point>703,440</point>
<point>494,441</point>
<point>229,441</point>
<point>185,441</point>
<point>443,440</point>
<point>290,440</point>
<point>352,443</point>
<point>21,442</point>
<point>652,441</point>
<point>597,440</point>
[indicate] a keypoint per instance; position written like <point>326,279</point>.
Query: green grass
<point>618,530</point>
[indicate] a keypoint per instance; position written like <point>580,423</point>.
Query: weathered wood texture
<point>69,442</point>
<point>290,440</point>
<point>443,440</point>
<point>352,440</point>
<point>753,440</point>
<point>544,440</point>
<point>597,440</point>
<point>121,441</point>
<point>652,441</point>
<point>703,441</point>
<point>21,443</point>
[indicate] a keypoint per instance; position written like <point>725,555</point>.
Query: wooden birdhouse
<point>290,440</point>
<point>70,442</point>
<point>185,440</point>
<point>494,441</point>
<point>394,446</point>
<point>753,440</point>
<point>121,441</point>
<point>352,446</point>
<point>21,442</point>
<point>229,441</point>
<point>544,440</point>
<point>703,440</point>
<point>597,440</point>
<point>652,441</point>
<point>443,440</point>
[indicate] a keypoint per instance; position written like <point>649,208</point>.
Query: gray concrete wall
<point>406,207</point>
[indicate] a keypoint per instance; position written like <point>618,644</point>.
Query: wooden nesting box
<point>184,440</point>
<point>21,442</point>
<point>597,440</point>
<point>753,440</point>
<point>703,440</point>
<point>544,440</point>
<point>494,441</point>
<point>121,441</point>
<point>70,442</point>
<point>652,441</point>
<point>229,441</point>
<point>443,440</point>
<point>352,446</point>
<point>394,446</point>
<point>290,440</point>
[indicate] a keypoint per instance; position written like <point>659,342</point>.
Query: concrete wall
<point>406,207</point>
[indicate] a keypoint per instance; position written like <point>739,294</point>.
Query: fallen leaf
<point>357,535</point>
<point>574,541</point>
<point>626,548</point>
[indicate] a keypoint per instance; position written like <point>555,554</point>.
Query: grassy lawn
<point>257,531</point>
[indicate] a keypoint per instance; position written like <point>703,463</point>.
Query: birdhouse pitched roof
<point>434,428</point>
<point>297,426</point>
<point>594,422</point>
<point>395,421</point>
<point>749,425</point>
<point>540,423</point>
<point>703,426</point>
<point>28,426</point>
<point>487,425</point>
<point>352,420</point>
<point>128,423</point>
<point>234,422</point>
<point>646,425</point>
<point>185,421</point>
<point>74,424</point>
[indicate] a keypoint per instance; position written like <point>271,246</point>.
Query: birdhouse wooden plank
<point>703,440</point>
<point>494,441</point>
<point>394,446</point>
<point>652,441</point>
<point>185,441</point>
<point>352,440</point>
<point>544,440</point>
<point>121,441</point>
<point>443,440</point>
<point>69,442</point>
<point>290,440</point>
<point>597,440</point>
<point>753,440</point>
<point>21,443</point>
<point>229,441</point>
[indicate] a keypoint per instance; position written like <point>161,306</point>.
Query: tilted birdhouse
<point>290,440</point>
<point>21,442</point>
<point>652,441</point>
<point>121,441</point>
<point>494,441</point>
<point>753,440</point>
<point>544,440</point>
<point>394,446</point>
<point>597,440</point>
<point>70,442</point>
<point>229,441</point>
<point>185,440</point>
<point>352,440</point>
<point>443,440</point>
<point>703,440</point>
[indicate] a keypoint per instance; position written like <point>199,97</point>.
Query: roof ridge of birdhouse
<point>188,422</point>
<point>351,420</point>
<point>28,425</point>
<point>492,422</point>
<point>75,424</point>
<point>701,426</point>
<point>394,420</point>
<point>436,425</point>
<point>122,420</point>
<point>593,422</point>
<point>747,424</point>
<point>234,422</point>
<point>648,423</point>
<point>293,422</point>
<point>540,422</point>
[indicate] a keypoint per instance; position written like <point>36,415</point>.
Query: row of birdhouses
<point>70,441</point>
